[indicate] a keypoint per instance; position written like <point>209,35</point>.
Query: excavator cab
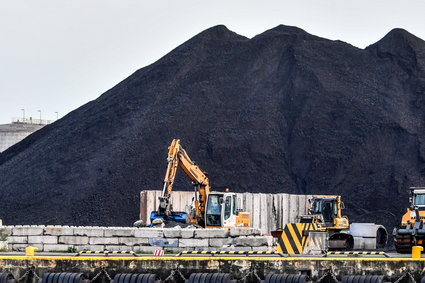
<point>221,211</point>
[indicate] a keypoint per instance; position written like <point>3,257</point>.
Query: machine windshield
<point>213,214</point>
<point>420,199</point>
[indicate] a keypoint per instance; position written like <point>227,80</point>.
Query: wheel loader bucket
<point>301,238</point>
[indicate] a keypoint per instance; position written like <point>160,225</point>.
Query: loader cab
<point>221,210</point>
<point>417,198</point>
<point>327,207</point>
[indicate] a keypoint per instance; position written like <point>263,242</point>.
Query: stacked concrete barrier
<point>145,240</point>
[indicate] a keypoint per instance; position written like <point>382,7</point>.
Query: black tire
<point>209,278</point>
<point>362,279</point>
<point>5,277</point>
<point>423,279</point>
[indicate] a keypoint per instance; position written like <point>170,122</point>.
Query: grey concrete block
<point>220,242</point>
<point>22,247</point>
<point>183,243</point>
<point>73,240</point>
<point>131,241</point>
<point>187,233</point>
<point>251,241</point>
<point>149,233</point>
<point>173,233</point>
<point>57,247</point>
<point>164,242</point>
<point>263,249</point>
<point>146,249</point>
<point>88,231</point>
<point>17,240</point>
<point>211,233</point>
<point>42,240</point>
<point>5,231</point>
<point>118,248</point>
<point>173,250</point>
<point>237,249</point>
<point>117,232</point>
<point>236,232</point>
<point>89,247</point>
<point>103,241</point>
<point>58,231</point>
<point>27,231</point>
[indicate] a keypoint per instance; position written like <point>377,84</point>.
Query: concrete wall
<point>268,211</point>
<point>14,133</point>
<point>61,238</point>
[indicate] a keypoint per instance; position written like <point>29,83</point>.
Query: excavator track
<point>403,243</point>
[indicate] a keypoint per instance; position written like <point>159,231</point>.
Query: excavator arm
<point>178,157</point>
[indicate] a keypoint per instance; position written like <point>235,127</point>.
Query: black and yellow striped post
<point>106,252</point>
<point>356,253</point>
<point>295,237</point>
<point>247,253</point>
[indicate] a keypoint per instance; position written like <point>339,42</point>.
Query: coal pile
<point>285,111</point>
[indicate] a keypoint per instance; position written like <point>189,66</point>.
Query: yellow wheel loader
<point>324,228</point>
<point>412,230</point>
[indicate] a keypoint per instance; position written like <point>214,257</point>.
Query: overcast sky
<point>56,55</point>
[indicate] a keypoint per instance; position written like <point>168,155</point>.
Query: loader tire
<point>210,278</point>
<point>6,277</point>
<point>403,244</point>
<point>362,279</point>
<point>135,278</point>
<point>285,278</point>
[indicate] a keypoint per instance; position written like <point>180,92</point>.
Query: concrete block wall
<point>146,240</point>
<point>268,211</point>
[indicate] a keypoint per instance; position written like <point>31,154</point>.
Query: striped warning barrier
<point>106,252</point>
<point>158,253</point>
<point>227,253</point>
<point>295,237</point>
<point>357,253</point>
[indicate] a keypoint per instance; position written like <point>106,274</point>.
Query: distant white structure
<point>18,130</point>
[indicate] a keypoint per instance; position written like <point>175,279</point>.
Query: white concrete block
<point>73,240</point>
<point>89,247</point>
<point>59,248</point>
<point>42,240</point>
<point>251,241</point>
<point>146,249</point>
<point>5,231</point>
<point>131,241</point>
<point>58,231</point>
<point>220,242</point>
<point>236,232</point>
<point>103,241</point>
<point>17,240</point>
<point>188,233</point>
<point>123,232</point>
<point>148,233</point>
<point>164,242</point>
<point>22,247</point>
<point>212,233</point>
<point>173,233</point>
<point>27,231</point>
<point>183,243</point>
<point>88,231</point>
<point>118,248</point>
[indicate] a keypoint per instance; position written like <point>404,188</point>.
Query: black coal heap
<point>285,111</point>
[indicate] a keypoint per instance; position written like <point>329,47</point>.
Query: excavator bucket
<point>301,238</point>
<point>176,216</point>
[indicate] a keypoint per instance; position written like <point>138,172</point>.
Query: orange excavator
<point>210,209</point>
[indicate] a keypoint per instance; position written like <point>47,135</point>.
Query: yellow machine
<point>412,230</point>
<point>324,228</point>
<point>210,209</point>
